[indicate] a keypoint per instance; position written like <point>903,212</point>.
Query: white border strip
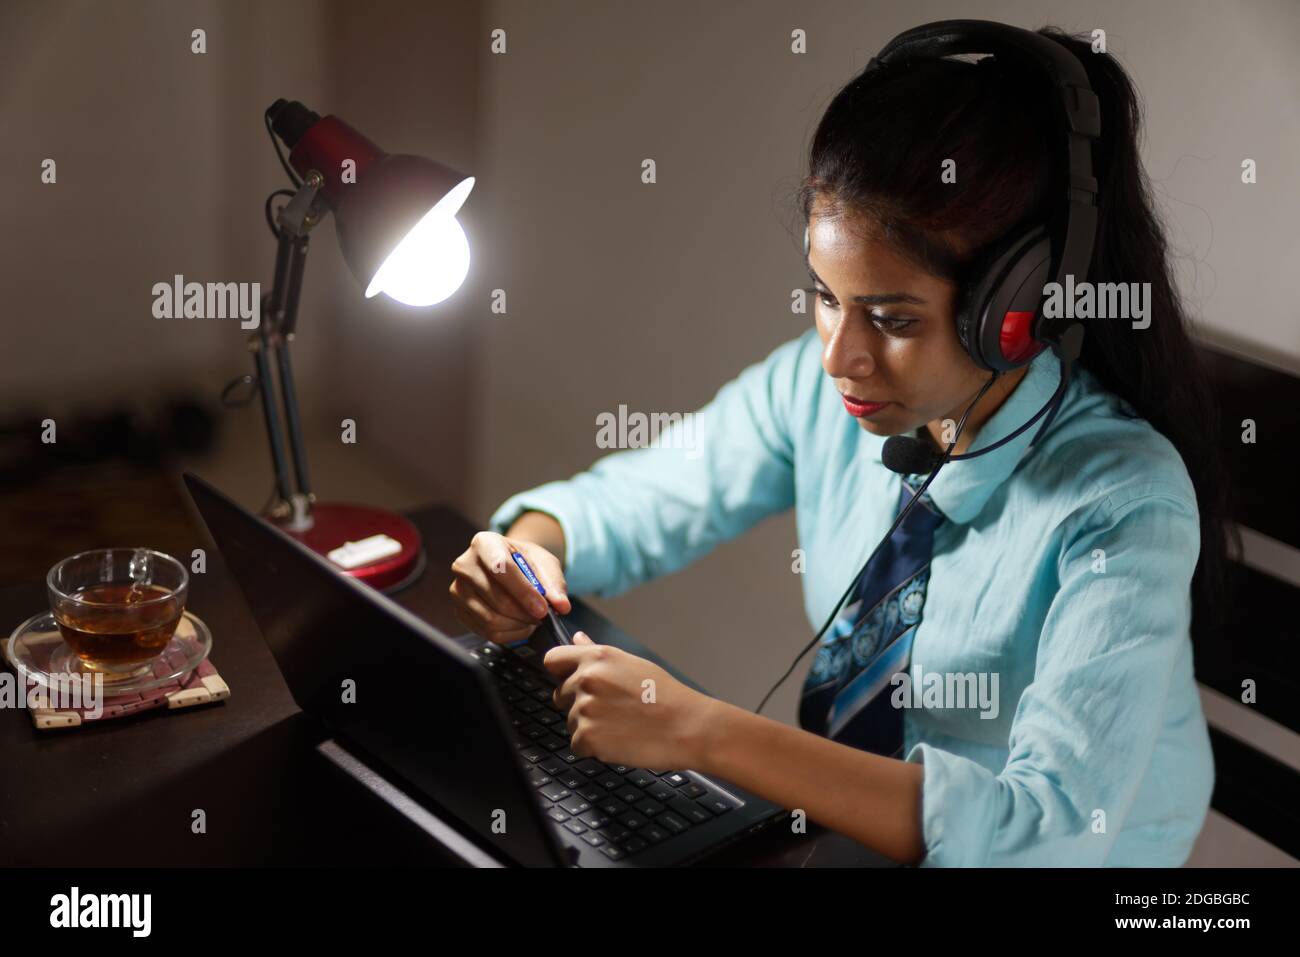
<point>1261,733</point>
<point>1270,556</point>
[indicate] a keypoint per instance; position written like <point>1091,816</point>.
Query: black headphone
<point>1000,323</point>
<point>1000,320</point>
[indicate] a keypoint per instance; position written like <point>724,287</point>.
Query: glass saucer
<point>38,653</point>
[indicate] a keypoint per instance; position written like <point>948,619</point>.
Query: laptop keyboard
<point>618,810</point>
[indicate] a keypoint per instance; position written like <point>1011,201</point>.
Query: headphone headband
<point>1077,108</point>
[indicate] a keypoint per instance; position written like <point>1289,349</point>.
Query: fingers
<point>561,660</point>
<point>552,580</point>
<point>567,693</point>
<point>494,554</point>
<point>474,613</point>
<point>477,579</point>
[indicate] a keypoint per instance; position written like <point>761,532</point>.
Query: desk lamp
<point>395,216</point>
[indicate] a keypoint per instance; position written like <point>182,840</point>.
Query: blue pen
<point>561,633</point>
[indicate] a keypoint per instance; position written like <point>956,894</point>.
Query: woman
<point>1057,578</point>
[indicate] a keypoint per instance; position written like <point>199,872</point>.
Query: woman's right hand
<point>491,596</point>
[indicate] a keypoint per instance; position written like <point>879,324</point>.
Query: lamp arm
<point>280,315</point>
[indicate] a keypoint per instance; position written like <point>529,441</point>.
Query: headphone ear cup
<point>1003,299</point>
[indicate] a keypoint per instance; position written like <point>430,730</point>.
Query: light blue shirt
<point>1065,572</point>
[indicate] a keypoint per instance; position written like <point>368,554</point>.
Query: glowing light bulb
<point>432,260</point>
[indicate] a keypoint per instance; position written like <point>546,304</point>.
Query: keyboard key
<point>615,833</point>
<point>635,845</point>
<point>552,765</point>
<point>591,768</point>
<point>567,756</point>
<point>592,838</point>
<point>641,778</point>
<point>631,820</point>
<point>659,791</point>
<point>532,753</point>
<point>671,822</point>
<point>550,717</point>
<point>653,833</point>
<point>589,792</point>
<point>555,791</point>
<point>691,810</point>
<point>609,781</point>
<point>574,827</point>
<point>628,794</point>
<point>552,743</point>
<point>537,778</point>
<point>571,779</point>
<point>693,790</point>
<point>555,814</point>
<point>611,806</point>
<point>574,804</point>
<point>594,818</point>
<point>648,807</point>
<point>675,779</point>
<point>613,852</point>
<point>718,804</point>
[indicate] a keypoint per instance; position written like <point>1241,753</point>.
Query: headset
<point>1000,321</point>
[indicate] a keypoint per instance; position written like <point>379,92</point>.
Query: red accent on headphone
<point>1016,339</point>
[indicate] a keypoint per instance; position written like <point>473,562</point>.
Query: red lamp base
<point>335,524</point>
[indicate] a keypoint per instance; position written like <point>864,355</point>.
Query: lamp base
<point>334,524</point>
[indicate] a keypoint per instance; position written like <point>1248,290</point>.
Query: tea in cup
<point>117,607</point>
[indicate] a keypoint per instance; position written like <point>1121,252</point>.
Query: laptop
<point>463,724</point>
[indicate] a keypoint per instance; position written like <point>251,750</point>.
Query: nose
<point>847,353</point>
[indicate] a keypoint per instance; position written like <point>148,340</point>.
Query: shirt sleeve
<point>708,477</point>
<point>1085,729</point>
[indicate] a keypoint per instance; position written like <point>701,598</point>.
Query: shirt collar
<point>961,489</point>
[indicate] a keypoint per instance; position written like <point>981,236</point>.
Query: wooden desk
<point>124,792</point>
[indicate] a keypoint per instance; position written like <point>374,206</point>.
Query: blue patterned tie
<point>846,696</point>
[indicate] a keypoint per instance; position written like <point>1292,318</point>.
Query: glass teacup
<point>117,607</point>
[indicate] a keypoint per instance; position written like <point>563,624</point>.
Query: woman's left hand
<point>625,710</point>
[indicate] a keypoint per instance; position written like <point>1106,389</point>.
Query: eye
<point>822,296</point>
<point>891,324</point>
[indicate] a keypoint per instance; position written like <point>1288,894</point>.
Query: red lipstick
<point>861,409</point>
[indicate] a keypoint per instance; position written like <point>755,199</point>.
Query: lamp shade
<point>395,214</point>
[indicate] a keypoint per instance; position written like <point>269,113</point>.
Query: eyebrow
<point>880,299</point>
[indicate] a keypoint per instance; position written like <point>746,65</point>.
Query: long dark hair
<point>879,150</point>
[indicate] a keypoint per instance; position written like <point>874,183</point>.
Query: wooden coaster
<point>203,686</point>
